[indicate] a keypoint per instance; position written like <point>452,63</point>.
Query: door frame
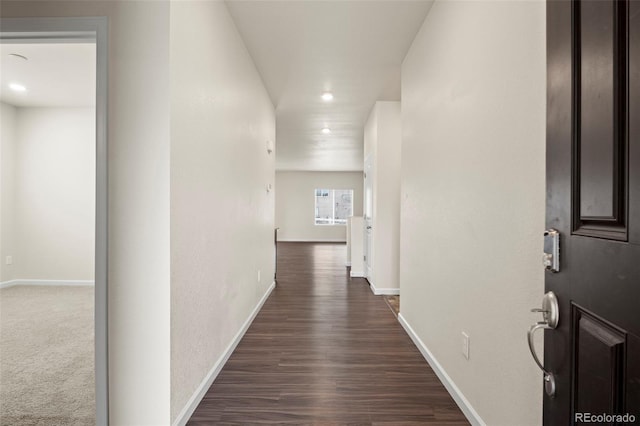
<point>77,29</point>
<point>368,220</point>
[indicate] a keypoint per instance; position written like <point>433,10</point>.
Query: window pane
<point>333,206</point>
<point>344,205</point>
<point>324,207</point>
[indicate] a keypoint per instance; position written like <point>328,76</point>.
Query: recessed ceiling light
<point>327,96</point>
<point>326,130</point>
<point>17,87</point>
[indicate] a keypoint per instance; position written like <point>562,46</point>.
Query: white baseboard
<point>471,414</point>
<point>356,274</point>
<point>391,291</point>
<point>69,283</point>
<point>199,393</point>
<point>298,240</point>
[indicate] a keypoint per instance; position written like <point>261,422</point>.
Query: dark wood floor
<point>325,350</point>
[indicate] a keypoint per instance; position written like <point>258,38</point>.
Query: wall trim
<point>315,240</point>
<point>67,283</point>
<point>388,291</point>
<point>201,390</point>
<point>457,395</point>
<point>356,274</point>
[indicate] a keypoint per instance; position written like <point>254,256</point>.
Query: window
<point>333,206</point>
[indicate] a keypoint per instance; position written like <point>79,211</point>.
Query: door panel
<point>599,116</point>
<point>596,103</point>
<point>593,196</point>
<point>599,365</point>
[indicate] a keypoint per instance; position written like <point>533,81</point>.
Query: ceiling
<point>55,75</point>
<point>352,48</point>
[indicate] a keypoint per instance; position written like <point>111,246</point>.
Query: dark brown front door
<point>593,199</point>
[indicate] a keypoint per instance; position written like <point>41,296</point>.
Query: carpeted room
<point>46,353</point>
<point>47,234</point>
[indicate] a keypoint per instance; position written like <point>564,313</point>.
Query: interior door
<point>593,200</point>
<point>368,217</point>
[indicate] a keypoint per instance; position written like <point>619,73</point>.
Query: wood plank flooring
<point>324,350</point>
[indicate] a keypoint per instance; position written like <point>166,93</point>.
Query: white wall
<point>138,127</point>
<point>473,184</point>
<point>382,141</point>
<point>295,204</point>
<point>222,217</point>
<point>7,189</point>
<point>355,246</point>
<point>54,194</point>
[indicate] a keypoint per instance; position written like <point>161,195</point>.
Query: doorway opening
<point>54,220</point>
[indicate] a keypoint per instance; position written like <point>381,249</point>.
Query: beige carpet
<point>46,356</point>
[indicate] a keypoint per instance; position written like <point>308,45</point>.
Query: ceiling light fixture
<point>17,87</point>
<point>327,96</point>
<point>326,130</point>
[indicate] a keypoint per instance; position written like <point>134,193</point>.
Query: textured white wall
<point>473,187</point>
<point>382,140</point>
<point>139,279</point>
<point>355,246</point>
<point>7,189</point>
<point>222,217</point>
<point>295,204</point>
<point>54,193</point>
<point>138,132</point>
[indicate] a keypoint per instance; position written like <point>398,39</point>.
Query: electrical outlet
<point>465,345</point>
<point>9,260</point>
<point>258,275</point>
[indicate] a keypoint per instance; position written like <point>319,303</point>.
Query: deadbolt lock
<point>551,256</point>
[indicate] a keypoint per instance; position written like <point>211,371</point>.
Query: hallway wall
<point>382,141</point>
<point>473,188</point>
<point>295,204</point>
<point>222,216</point>
<point>7,154</point>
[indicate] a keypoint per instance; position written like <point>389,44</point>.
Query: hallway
<point>325,350</point>
<point>427,121</point>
